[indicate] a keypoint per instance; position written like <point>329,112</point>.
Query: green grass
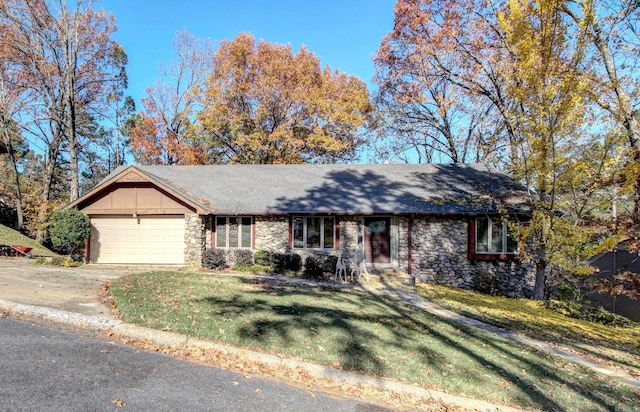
<point>9,236</point>
<point>605,344</point>
<point>363,332</point>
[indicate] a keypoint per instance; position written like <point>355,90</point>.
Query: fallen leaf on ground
<point>119,403</point>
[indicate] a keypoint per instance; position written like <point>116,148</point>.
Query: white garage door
<point>142,240</point>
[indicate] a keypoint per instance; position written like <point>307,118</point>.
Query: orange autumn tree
<point>60,66</point>
<point>264,104</point>
<point>165,132</point>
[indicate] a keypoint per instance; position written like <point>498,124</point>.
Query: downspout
<point>410,249</point>
<point>88,248</point>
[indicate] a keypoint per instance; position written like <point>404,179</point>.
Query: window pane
<point>221,232</point>
<point>246,232</point>
<point>298,232</point>
<point>482,235</point>
<point>313,232</point>
<point>377,226</point>
<point>496,236</point>
<point>328,233</point>
<point>512,241</point>
<point>233,232</point>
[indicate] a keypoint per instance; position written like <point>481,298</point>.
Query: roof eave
<point>200,209</point>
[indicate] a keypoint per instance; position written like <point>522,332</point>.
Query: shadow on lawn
<point>282,324</point>
<point>395,325</point>
<point>593,349</point>
<point>587,347</point>
<point>530,388</point>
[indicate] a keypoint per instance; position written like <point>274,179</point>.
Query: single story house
<point>441,223</point>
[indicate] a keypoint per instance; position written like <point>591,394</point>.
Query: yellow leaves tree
<point>612,29</point>
<point>520,66</point>
<point>545,82</point>
<point>264,104</point>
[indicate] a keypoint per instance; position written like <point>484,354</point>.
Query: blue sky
<point>344,34</point>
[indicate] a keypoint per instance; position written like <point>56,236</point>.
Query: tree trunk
<point>74,187</point>
<point>47,182</point>
<point>623,110</point>
<point>71,33</point>
<point>16,174</point>
<point>541,277</point>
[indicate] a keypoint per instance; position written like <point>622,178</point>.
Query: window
<point>492,239</point>
<point>233,232</point>
<point>312,232</point>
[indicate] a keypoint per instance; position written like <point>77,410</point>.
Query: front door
<point>377,238</point>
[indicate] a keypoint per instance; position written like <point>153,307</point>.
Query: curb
<point>333,375</point>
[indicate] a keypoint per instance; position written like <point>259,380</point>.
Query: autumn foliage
<point>265,104</point>
<point>519,84</point>
<point>260,103</point>
<point>59,71</point>
<point>165,132</point>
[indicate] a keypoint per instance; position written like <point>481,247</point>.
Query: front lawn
<point>605,344</point>
<point>363,332</point>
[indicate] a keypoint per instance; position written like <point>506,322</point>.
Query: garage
<point>137,240</point>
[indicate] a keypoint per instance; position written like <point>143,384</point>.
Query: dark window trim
<point>336,231</point>
<point>473,255</point>
<point>214,230</point>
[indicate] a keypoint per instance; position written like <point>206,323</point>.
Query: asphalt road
<point>45,368</point>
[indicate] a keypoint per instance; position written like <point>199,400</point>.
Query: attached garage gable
<point>137,219</point>
<point>139,240</point>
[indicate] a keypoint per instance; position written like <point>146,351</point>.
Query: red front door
<point>377,239</point>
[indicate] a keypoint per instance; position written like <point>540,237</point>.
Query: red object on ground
<point>22,249</point>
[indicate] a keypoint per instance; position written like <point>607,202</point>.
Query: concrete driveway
<point>70,289</point>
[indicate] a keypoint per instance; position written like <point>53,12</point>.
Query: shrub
<point>64,261</point>
<point>262,258</point>
<point>69,231</point>
<point>214,259</point>
<point>599,314</point>
<point>567,291</point>
<point>329,264</point>
<point>487,283</point>
<point>293,262</point>
<point>278,261</point>
<point>313,267</point>
<point>244,258</point>
<point>570,309</point>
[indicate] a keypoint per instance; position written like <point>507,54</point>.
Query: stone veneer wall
<point>440,255</point>
<point>194,239</point>
<point>439,252</point>
<point>271,233</point>
<point>208,229</point>
<point>348,236</point>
